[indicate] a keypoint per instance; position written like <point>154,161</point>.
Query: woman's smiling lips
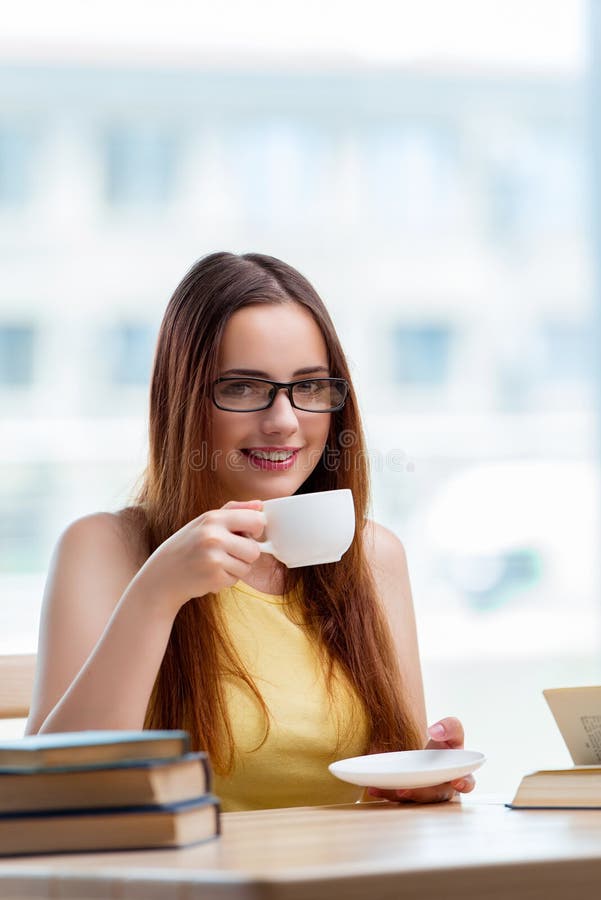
<point>275,459</point>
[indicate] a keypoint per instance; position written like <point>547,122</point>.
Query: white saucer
<point>407,768</point>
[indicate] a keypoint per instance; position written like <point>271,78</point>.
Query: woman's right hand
<point>211,552</point>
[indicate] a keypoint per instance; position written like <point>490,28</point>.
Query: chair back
<point>16,685</point>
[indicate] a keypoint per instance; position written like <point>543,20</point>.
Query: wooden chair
<point>16,685</point>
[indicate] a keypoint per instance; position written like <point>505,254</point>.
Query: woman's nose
<point>281,415</point>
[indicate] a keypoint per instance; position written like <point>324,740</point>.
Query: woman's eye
<point>237,388</point>
<point>308,387</point>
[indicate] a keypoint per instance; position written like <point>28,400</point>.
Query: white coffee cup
<point>309,529</point>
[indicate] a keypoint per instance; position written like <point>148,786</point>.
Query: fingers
<point>235,569</point>
<point>464,785</point>
<point>237,520</point>
<point>243,504</point>
<point>230,562</point>
<point>244,521</point>
<point>242,548</point>
<point>440,793</point>
<point>216,516</point>
<point>447,733</point>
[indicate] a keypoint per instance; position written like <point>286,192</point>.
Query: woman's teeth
<point>273,455</point>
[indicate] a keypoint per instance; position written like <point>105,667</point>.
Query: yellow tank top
<point>291,767</point>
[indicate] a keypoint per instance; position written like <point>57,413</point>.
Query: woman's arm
<point>107,614</point>
<point>103,633</point>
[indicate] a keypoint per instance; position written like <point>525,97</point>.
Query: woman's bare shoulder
<point>118,535</point>
<point>385,551</point>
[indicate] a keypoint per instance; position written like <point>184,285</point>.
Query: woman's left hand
<point>446,734</point>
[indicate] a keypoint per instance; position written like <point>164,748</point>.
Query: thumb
<point>446,733</point>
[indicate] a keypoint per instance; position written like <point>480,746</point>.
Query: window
<point>507,200</point>
<point>15,167</point>
<point>281,170</point>
<point>140,166</point>
<point>422,354</point>
<point>20,525</point>
<point>16,354</point>
<point>568,352</point>
<point>131,346</point>
<point>535,183</point>
<point>411,174</point>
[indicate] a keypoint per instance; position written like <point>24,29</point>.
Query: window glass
<point>129,347</point>
<point>16,151</point>
<point>422,354</point>
<point>16,354</point>
<point>140,166</point>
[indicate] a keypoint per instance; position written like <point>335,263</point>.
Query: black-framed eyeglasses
<point>321,395</point>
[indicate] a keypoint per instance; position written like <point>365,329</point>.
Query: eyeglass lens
<point>247,394</point>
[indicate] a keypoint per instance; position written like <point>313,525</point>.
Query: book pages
<point>577,711</point>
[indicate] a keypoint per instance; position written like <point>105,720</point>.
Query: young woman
<point>166,615</point>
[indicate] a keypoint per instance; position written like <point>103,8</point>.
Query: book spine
<point>202,800</point>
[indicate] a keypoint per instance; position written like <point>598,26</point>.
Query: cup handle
<point>266,547</point>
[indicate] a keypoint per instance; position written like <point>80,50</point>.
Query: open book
<point>577,712</point>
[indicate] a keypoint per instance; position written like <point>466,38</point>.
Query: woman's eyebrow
<point>257,373</point>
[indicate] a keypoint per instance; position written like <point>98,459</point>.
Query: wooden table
<point>453,851</point>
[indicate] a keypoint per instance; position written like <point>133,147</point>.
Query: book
<point>90,748</point>
<point>133,828</point>
<point>132,783</point>
<point>577,787</point>
<point>577,712</point>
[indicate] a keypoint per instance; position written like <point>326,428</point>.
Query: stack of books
<point>104,790</point>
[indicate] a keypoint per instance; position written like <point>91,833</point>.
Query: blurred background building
<point>441,208</point>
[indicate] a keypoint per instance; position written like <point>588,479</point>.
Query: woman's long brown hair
<point>339,603</point>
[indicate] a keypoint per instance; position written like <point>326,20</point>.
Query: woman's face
<point>282,342</point>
